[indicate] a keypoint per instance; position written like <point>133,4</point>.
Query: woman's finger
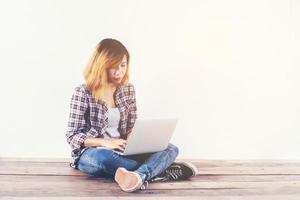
<point>122,147</point>
<point>123,142</point>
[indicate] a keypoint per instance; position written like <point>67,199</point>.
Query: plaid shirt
<point>88,117</point>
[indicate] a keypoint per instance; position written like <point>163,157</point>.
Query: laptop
<point>148,136</point>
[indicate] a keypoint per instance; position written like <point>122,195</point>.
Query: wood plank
<point>244,163</point>
<point>253,178</point>
<point>40,182</point>
<point>38,168</point>
<point>62,168</point>
<point>249,170</point>
<point>199,178</point>
<point>234,180</point>
<point>200,162</point>
<point>231,197</point>
<point>29,159</point>
<point>221,192</point>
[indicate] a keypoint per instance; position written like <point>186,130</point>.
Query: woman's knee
<point>103,156</point>
<point>95,157</point>
<point>173,148</point>
<point>87,165</point>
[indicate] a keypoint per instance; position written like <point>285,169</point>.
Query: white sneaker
<point>127,180</point>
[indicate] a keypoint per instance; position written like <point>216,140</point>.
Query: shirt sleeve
<point>132,114</point>
<point>77,133</point>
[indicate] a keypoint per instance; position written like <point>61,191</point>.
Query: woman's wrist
<point>94,142</point>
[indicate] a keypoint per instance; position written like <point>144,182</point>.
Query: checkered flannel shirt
<point>88,117</point>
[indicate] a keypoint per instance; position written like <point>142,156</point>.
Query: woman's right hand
<point>111,143</point>
<point>114,143</point>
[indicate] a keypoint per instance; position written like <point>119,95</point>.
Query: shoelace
<point>171,174</point>
<point>174,173</point>
<point>145,185</point>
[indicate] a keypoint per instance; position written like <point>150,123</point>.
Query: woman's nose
<point>117,72</point>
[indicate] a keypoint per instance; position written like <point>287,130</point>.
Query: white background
<point>228,69</point>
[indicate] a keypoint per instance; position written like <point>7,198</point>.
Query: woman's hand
<point>114,143</point>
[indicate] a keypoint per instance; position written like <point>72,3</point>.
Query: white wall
<point>228,69</point>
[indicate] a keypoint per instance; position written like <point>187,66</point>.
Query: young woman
<point>102,114</point>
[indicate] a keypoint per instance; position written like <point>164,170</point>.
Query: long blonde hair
<point>108,53</point>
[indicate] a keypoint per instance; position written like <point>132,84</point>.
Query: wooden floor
<point>234,180</point>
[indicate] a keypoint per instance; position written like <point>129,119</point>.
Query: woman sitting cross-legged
<point>102,114</point>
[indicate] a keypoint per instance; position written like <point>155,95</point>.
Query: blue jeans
<point>104,162</point>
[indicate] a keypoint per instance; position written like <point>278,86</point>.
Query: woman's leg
<point>157,163</point>
<point>104,162</point>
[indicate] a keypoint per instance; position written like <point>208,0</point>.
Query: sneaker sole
<point>121,177</point>
<point>191,166</point>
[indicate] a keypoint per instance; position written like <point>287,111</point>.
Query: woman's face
<point>116,74</point>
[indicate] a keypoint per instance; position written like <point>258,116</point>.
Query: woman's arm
<point>94,142</point>
<point>77,136</point>
<point>76,133</point>
<point>132,114</point>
